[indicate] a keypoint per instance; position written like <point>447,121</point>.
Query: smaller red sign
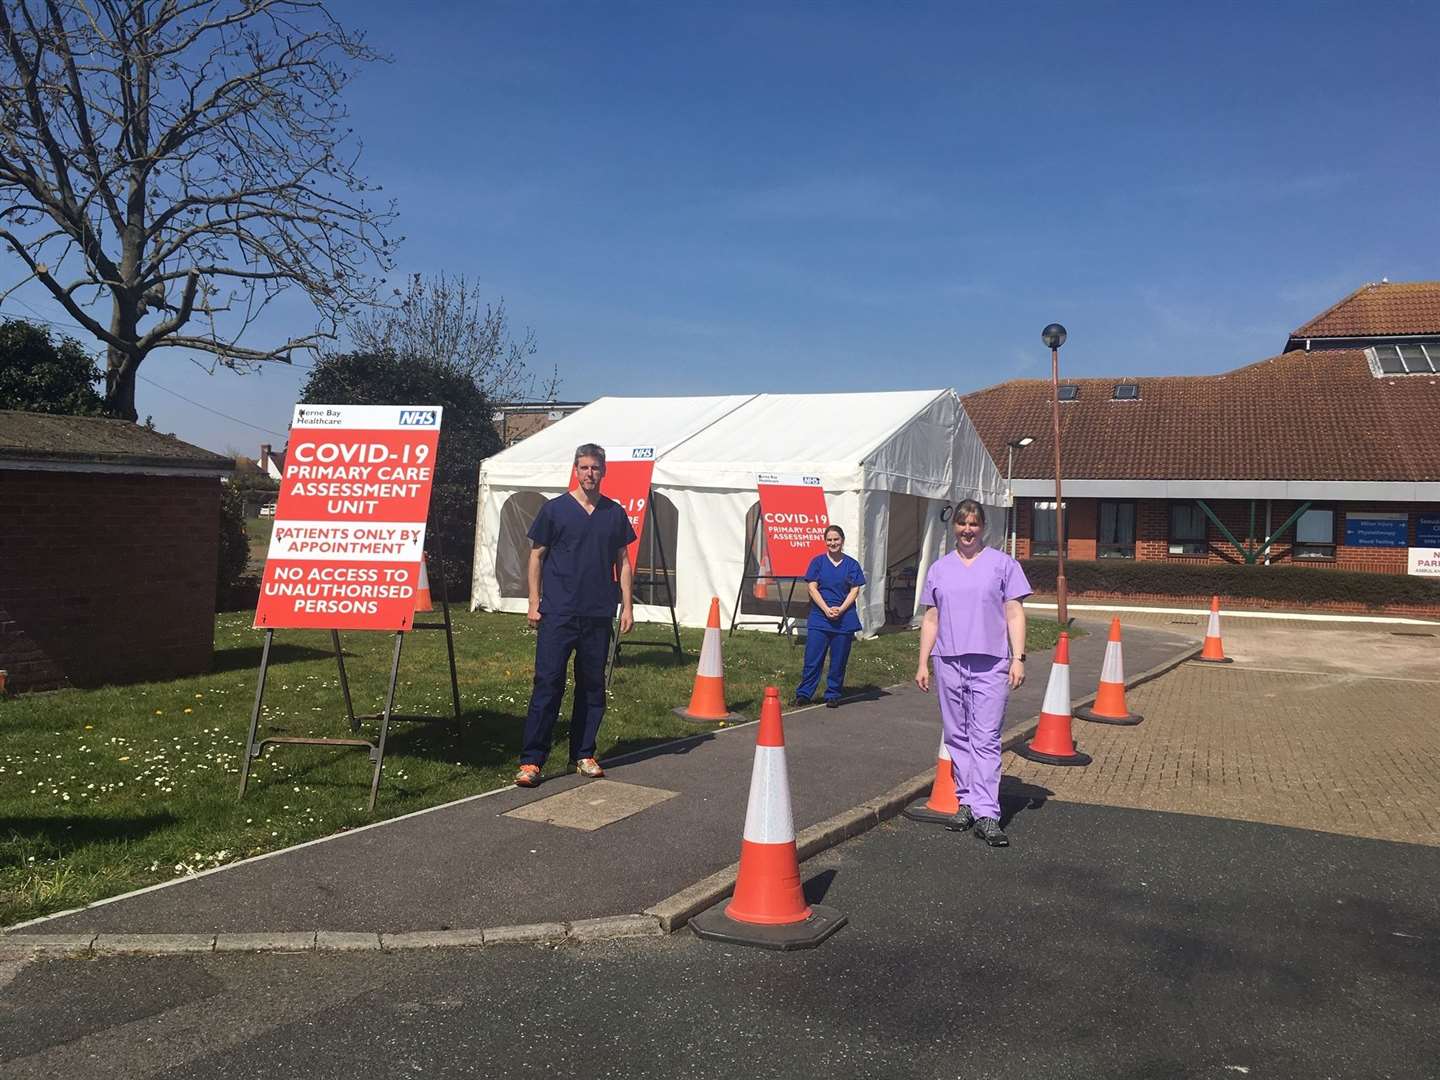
<point>627,480</point>
<point>794,516</point>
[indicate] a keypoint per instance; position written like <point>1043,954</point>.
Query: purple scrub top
<point>970,601</point>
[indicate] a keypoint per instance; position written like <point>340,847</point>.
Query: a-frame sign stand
<point>787,624</point>
<point>255,748</point>
<point>673,643</point>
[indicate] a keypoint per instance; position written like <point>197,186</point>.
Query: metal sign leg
<point>449,633</point>
<point>379,751</point>
<point>250,748</point>
<point>344,681</point>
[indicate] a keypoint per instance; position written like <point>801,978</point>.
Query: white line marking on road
<point>1234,614</point>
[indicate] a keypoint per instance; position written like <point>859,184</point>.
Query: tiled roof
<point>1316,415</point>
<point>1384,310</point>
<point>42,437</point>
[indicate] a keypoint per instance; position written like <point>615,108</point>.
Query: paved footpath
<point>476,865</point>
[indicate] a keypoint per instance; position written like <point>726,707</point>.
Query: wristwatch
<point>1021,658</point>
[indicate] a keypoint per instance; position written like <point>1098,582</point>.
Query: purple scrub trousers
<point>973,690</point>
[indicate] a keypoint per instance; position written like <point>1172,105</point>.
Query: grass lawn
<point>103,791</point>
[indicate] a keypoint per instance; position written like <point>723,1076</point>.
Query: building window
<point>1127,391</point>
<point>1315,535</point>
<point>1042,527</point>
<point>1187,529</point>
<point>1116,538</point>
<point>1069,392</point>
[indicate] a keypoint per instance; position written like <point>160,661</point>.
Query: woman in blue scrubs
<point>834,580</point>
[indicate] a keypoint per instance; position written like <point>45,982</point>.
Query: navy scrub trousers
<point>557,637</point>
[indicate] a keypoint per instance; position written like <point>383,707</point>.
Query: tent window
<point>655,558</point>
<point>512,548</point>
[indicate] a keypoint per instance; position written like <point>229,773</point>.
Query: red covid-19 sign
<point>627,480</point>
<point>792,510</point>
<point>349,529</point>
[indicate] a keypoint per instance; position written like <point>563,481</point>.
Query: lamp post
<point>1054,336</point>
<point>1011,516</point>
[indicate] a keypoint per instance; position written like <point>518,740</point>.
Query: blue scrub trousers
<point>817,643</point>
<point>973,690</point>
<point>557,637</point>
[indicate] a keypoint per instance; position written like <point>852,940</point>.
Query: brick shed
<point>109,539</point>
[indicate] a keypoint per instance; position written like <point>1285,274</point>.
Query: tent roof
<point>722,442</point>
<point>828,435</point>
<point>544,459</point>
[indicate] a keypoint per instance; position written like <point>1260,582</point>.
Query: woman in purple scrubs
<point>974,630</point>
<point>834,581</point>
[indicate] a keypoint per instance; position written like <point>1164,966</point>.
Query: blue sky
<point>685,198</point>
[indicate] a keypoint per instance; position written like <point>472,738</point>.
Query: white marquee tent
<point>891,464</point>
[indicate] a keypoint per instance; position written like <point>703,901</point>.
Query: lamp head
<point>1022,442</point>
<point>1053,336</point>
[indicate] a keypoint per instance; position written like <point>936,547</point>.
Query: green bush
<point>1290,584</point>
<point>234,545</point>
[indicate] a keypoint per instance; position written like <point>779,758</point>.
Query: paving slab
<point>475,864</point>
<point>592,806</point>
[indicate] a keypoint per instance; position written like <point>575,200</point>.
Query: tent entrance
<point>903,547</point>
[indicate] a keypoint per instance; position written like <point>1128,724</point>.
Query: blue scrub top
<point>578,575</point>
<point>834,582</point>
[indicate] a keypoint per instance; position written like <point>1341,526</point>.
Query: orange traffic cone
<point>1053,743</point>
<point>1214,651</point>
<point>1109,706</point>
<point>942,805</point>
<point>768,907</point>
<point>761,589</point>
<point>422,595</point>
<point>707,699</point>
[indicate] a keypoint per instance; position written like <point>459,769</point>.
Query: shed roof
<point>44,440</point>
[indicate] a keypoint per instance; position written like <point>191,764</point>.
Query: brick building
<point>109,539</point>
<point>1326,455</point>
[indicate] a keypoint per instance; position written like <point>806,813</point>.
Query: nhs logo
<point>417,417</point>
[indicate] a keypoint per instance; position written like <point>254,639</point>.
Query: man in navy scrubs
<point>579,571</point>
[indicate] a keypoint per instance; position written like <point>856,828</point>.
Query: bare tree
<point>186,161</point>
<point>443,321</point>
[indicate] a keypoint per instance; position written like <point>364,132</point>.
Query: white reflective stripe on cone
<point>1057,694</point>
<point>1213,630</point>
<point>767,817</point>
<point>711,664</point>
<point>1114,667</point>
<point>944,750</point>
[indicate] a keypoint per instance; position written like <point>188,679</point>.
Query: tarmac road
<point>1106,942</point>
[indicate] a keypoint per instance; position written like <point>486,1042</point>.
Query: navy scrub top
<point>834,582</point>
<point>577,576</point>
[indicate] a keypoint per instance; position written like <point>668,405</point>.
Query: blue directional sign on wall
<point>1377,530</point>
<point>1427,531</point>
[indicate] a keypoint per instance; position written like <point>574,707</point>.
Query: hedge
<point>1294,584</point>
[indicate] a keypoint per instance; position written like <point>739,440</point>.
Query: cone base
<point>1214,659</point>
<point>1076,758</point>
<point>728,718</point>
<point>919,811</point>
<point>714,925</point>
<point>1085,712</point>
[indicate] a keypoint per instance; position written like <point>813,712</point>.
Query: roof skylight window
<point>1407,359</point>
<point>1069,392</point>
<point>1127,391</point>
